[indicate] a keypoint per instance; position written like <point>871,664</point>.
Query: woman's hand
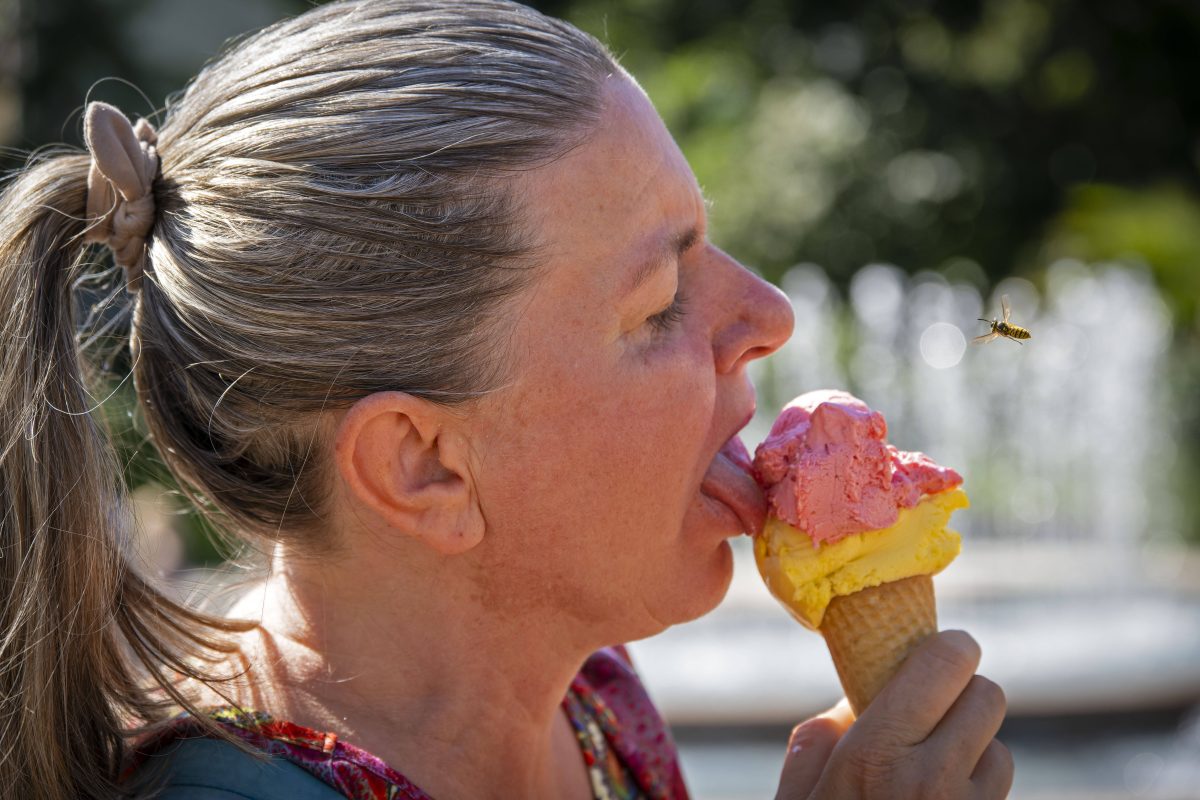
<point>929,735</point>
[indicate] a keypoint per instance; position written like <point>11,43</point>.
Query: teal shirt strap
<point>210,769</point>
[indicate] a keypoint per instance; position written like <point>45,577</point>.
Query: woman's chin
<point>689,590</point>
<point>706,586</point>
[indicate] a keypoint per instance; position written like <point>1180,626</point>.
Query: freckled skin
<point>592,459</point>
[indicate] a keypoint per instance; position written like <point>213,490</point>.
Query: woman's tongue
<point>728,480</point>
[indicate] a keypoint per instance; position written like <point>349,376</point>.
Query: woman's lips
<point>729,481</point>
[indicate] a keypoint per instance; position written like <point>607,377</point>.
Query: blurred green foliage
<point>1157,224</point>
<point>921,132</point>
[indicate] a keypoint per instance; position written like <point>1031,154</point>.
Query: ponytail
<point>88,648</point>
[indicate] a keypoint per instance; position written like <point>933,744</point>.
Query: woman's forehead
<point>626,188</point>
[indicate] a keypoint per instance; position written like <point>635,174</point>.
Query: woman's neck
<point>466,703</point>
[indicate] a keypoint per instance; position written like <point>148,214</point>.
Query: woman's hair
<point>335,215</point>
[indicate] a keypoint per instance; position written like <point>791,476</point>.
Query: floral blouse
<point>626,745</point>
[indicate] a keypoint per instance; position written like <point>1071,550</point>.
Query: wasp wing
<point>1005,307</point>
<point>987,337</point>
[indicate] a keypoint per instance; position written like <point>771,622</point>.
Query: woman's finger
<point>970,725</point>
<point>925,687</point>
<point>993,775</point>
<point>808,750</point>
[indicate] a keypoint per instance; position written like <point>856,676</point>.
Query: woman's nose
<point>759,319</point>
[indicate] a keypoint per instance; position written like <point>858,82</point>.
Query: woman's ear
<point>404,459</point>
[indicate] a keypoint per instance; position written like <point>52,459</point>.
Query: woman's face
<point>597,465</point>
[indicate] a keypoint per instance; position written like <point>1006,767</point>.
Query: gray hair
<point>336,216</point>
<point>334,221</point>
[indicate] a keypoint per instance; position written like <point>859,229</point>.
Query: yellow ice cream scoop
<point>805,577</point>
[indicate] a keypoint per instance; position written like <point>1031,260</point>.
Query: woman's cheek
<point>683,377</point>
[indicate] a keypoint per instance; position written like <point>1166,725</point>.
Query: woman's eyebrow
<point>666,250</point>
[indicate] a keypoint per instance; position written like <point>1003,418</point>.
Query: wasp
<point>1003,327</point>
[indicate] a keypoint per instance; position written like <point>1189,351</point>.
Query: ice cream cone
<point>855,530</point>
<point>870,632</point>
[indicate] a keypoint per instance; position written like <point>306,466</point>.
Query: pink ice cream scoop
<point>827,469</point>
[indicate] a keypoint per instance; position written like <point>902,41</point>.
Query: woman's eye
<point>666,319</point>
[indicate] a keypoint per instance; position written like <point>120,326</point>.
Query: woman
<point>422,304</point>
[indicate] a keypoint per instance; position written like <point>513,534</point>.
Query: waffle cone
<point>870,632</point>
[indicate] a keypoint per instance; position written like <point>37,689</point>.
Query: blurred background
<point>896,166</point>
